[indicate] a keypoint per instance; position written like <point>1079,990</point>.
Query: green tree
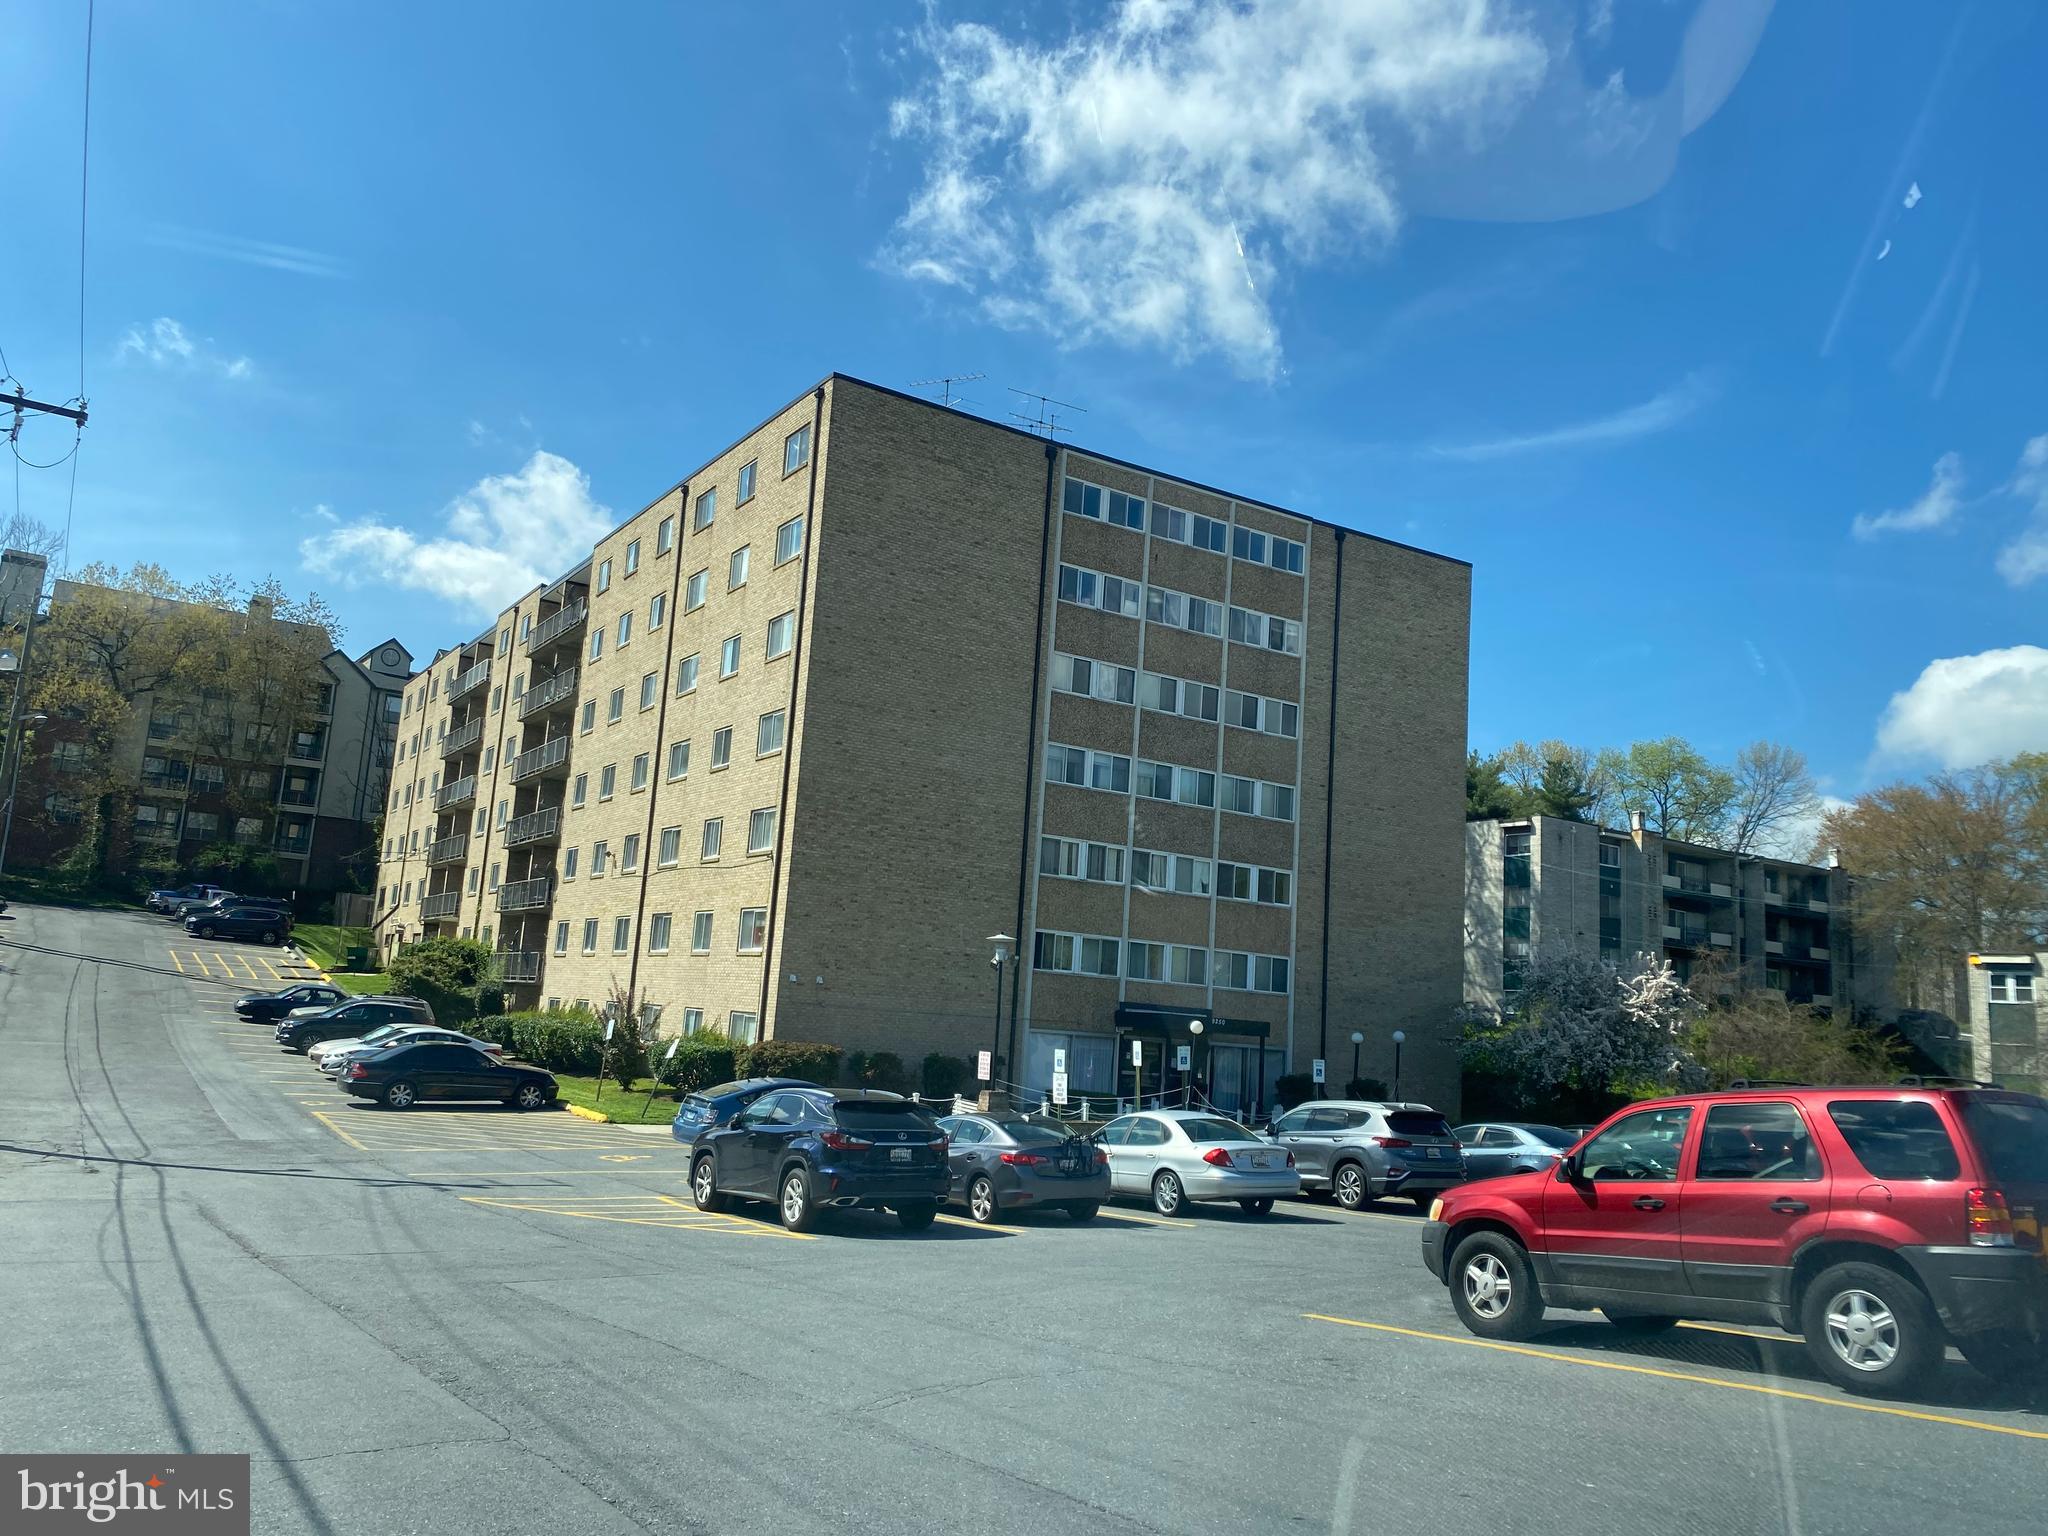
<point>1488,796</point>
<point>1678,791</point>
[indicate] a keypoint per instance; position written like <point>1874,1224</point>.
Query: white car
<point>333,1056</point>
<point>1175,1155</point>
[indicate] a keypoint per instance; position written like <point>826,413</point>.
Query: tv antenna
<point>1046,420</point>
<point>944,386</point>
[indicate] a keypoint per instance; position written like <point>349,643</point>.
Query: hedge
<point>790,1058</point>
<point>944,1076</point>
<point>878,1069</point>
<point>564,1041</point>
<point>700,1061</point>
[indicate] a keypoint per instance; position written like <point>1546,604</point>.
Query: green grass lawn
<point>326,945</point>
<point>43,889</point>
<point>361,983</point>
<point>626,1108</point>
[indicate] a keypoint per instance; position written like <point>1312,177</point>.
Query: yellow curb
<point>588,1114</point>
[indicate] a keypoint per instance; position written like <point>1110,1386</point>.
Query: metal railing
<point>557,624</point>
<point>463,738</point>
<point>461,792</point>
<point>519,964</point>
<point>469,681</point>
<point>552,690</point>
<point>539,826</point>
<point>525,895</point>
<point>440,906</point>
<point>538,760</point>
<point>448,850</point>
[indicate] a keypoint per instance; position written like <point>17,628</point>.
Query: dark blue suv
<point>807,1149</point>
<point>709,1108</point>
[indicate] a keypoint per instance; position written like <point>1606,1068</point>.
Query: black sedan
<point>240,920</point>
<point>272,1006</point>
<point>709,1108</point>
<point>404,1075</point>
<point>807,1149</point>
<point>1010,1164</point>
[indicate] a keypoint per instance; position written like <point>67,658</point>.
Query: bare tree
<point>1774,795</point>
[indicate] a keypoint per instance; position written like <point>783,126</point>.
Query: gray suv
<point>1361,1150</point>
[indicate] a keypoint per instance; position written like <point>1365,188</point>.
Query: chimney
<point>259,607</point>
<point>1635,824</point>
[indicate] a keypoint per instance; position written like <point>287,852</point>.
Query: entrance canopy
<point>1162,1023</point>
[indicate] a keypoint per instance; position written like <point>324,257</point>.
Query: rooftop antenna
<point>945,385</point>
<point>1046,420</point>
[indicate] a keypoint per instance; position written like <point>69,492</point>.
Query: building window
<point>789,541</point>
<point>686,675</point>
<point>503,808</point>
<point>743,1028</point>
<point>494,876</point>
<point>658,925</point>
<point>1169,874</point>
<point>1267,549</point>
<point>1093,589</point>
<point>629,854</point>
<point>632,557</point>
<point>1265,630</point>
<point>781,634</point>
<point>1237,972</point>
<point>768,734</point>
<point>650,687</point>
<point>497,698</point>
<point>1094,679</point>
<point>578,790</point>
<point>1067,858</point>
<point>736,568</point>
<point>1089,770</point>
<point>596,642</point>
<point>1189,528</point>
<point>2011,986</point>
<point>693,1020</point>
<point>1093,501</point>
<point>721,747</point>
<point>562,937</point>
<point>590,935</point>
<point>626,627</point>
<point>1256,797</point>
<point>706,511</point>
<point>670,851</point>
<point>589,720</point>
<point>753,929</point>
<point>679,759</point>
<point>1078,954</point>
<point>600,855</point>
<point>657,610</point>
<point>569,856</point>
<point>665,536</point>
<point>1177,610</point>
<point>1166,781</point>
<point>622,935</point>
<point>761,830</point>
<point>1255,712</point>
<point>695,588</point>
<point>1179,696</point>
<point>714,835</point>
<point>1250,882</point>
<point>604,576</point>
<point>1610,858</point>
<point>640,771</point>
<point>700,934</point>
<point>796,450</point>
<point>728,657</point>
<point>490,757</point>
<point>607,781</point>
<point>748,472</point>
<point>1178,963</point>
<point>615,707</point>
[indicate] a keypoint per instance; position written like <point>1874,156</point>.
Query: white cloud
<point>1144,182</point>
<point>1936,506</point>
<point>163,343</point>
<point>2025,558</point>
<point>1659,413</point>
<point>1966,710</point>
<point>503,536</point>
<point>252,253</point>
<point>1797,839</point>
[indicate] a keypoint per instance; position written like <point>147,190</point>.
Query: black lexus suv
<point>809,1149</point>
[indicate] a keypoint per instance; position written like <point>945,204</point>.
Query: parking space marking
<point>489,1132</point>
<point>1150,1221</point>
<point>1687,1376</point>
<point>177,962</point>
<point>325,1119</point>
<point>980,1226</point>
<point>643,1211</point>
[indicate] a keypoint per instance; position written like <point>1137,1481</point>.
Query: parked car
<point>186,907</point>
<point>402,1075</point>
<point>1002,1164</point>
<point>1498,1147</point>
<point>334,1056</point>
<point>1364,1149</point>
<point>709,1108</point>
<point>350,1020</point>
<point>166,900</point>
<point>1171,1156</point>
<point>272,1006</point>
<point>1877,1223</point>
<point>240,920</point>
<point>807,1149</point>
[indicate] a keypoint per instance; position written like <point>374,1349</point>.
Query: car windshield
<point>1203,1130</point>
<point>381,1032</point>
<point>883,1115</point>
<point>1551,1135</point>
<point>2012,1136</point>
<point>1025,1134</point>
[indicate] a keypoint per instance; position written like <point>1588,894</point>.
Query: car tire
<point>400,1095</point>
<point>704,1185</point>
<point>1084,1210</point>
<point>1869,1329</point>
<point>1168,1195</point>
<point>1262,1206</point>
<point>206,930</point>
<point>916,1217</point>
<point>1639,1324</point>
<point>1349,1186</point>
<point>269,936</point>
<point>1493,1287</point>
<point>529,1096</point>
<point>981,1199</point>
<point>793,1202</point>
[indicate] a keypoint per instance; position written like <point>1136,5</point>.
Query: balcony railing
<point>440,906</point>
<point>535,761</point>
<point>525,895</point>
<point>462,792</point>
<point>560,688</point>
<point>470,681</point>
<point>1695,885</point>
<point>519,964</point>
<point>556,625</point>
<point>462,739</point>
<point>448,850</point>
<point>542,826</point>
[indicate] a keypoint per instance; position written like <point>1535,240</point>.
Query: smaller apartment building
<point>2005,1037</point>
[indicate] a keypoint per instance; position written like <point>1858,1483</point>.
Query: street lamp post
<point>1399,1038</point>
<point>1195,1027</point>
<point>1357,1039</point>
<point>1002,942</point>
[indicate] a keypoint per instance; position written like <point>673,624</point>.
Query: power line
<point>84,167</point>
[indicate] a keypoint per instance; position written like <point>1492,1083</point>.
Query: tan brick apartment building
<point>882,679</point>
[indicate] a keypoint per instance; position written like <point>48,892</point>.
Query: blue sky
<point>1639,307</point>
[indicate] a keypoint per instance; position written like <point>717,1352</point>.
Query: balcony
<point>461,740</point>
<point>468,682</point>
<point>535,827</point>
<point>558,689</point>
<point>545,758</point>
<point>1814,954</point>
<point>450,797</point>
<point>448,850</point>
<point>518,965</point>
<point>525,895</point>
<point>440,907</point>
<point>1695,935</point>
<point>1693,885</point>
<point>550,629</point>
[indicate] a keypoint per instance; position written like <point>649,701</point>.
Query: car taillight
<point>1988,1219</point>
<point>1217,1156</point>
<point>1392,1141</point>
<point>1102,1156</point>
<point>1022,1159</point>
<point>839,1141</point>
<point>1290,1159</point>
<point>943,1145</point>
<point>357,1069</point>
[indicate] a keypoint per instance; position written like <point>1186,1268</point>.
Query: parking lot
<point>466,1319</point>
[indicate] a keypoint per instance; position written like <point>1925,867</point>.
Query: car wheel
<point>1259,1207</point>
<point>1639,1324</point>
<point>1083,1210</point>
<point>206,930</point>
<point>704,1186</point>
<point>981,1199</point>
<point>1167,1193</point>
<point>916,1218</point>
<point>1347,1184</point>
<point>1869,1329</point>
<point>1493,1289</point>
<point>401,1095</point>
<point>530,1096</point>
<point>269,937</point>
<point>797,1211</point>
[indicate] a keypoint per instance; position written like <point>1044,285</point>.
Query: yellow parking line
<point>177,962</point>
<point>1150,1221</point>
<point>1743,1333</point>
<point>981,1226</point>
<point>682,1220</point>
<point>1688,1376</point>
<point>327,1120</point>
<point>274,975</point>
<point>200,961</point>
<point>536,1173</point>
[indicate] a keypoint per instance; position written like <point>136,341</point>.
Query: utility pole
<point>19,402</point>
<point>20,573</point>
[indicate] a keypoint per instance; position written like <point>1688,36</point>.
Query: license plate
<point>899,1154</point>
<point>1433,1152</point>
<point>1262,1160</point>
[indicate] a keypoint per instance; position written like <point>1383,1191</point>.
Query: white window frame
<point>788,623</point>
<point>1073,858</point>
<point>1088,588</point>
<point>761,830</point>
<point>1087,678</point>
<point>669,851</point>
<point>758,918</point>
<point>1094,766</point>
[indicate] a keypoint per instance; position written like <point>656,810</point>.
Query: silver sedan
<point>1498,1147</point>
<point>1171,1156</point>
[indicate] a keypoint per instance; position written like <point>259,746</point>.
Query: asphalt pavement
<point>468,1320</point>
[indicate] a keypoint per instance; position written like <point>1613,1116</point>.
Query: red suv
<point>1876,1222</point>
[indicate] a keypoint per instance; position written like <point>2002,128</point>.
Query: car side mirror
<point>1568,1171</point>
